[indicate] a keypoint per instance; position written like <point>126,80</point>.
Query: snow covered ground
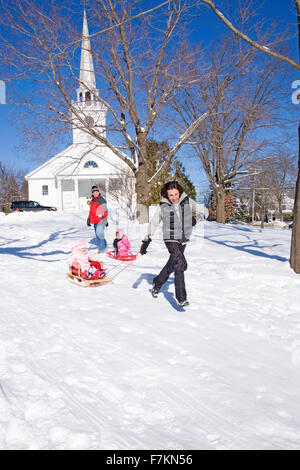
<point>113,368</point>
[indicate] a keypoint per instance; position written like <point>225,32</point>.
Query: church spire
<point>87,75</point>
<point>88,104</point>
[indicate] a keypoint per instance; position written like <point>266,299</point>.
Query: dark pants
<point>176,264</point>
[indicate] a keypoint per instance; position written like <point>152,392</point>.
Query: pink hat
<point>81,243</point>
<point>120,231</point>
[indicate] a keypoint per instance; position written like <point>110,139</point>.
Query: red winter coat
<point>98,210</point>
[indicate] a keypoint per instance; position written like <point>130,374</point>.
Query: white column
<point>59,193</point>
<point>76,193</point>
<point>106,188</point>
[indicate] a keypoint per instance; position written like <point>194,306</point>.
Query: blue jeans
<point>99,231</point>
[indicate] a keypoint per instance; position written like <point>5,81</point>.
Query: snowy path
<point>113,368</point>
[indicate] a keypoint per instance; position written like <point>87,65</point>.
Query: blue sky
<point>205,29</point>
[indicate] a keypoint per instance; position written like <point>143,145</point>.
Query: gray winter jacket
<point>176,218</point>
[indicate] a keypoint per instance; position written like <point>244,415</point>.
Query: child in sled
<point>80,258</point>
<point>121,244</point>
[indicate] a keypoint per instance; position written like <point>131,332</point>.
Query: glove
<point>144,246</point>
<point>88,222</point>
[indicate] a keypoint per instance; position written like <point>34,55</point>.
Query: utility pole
<point>253,200</point>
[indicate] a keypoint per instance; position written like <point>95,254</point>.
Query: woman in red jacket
<point>98,217</point>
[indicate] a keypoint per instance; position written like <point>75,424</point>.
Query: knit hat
<point>120,231</point>
<point>81,243</point>
<point>95,188</point>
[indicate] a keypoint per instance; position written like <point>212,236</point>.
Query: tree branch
<point>183,138</point>
<point>250,41</point>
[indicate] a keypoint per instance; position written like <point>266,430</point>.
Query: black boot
<point>184,303</point>
<point>154,290</point>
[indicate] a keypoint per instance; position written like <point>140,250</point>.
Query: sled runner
<point>111,254</point>
<point>77,277</point>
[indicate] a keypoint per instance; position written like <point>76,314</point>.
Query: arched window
<point>90,164</point>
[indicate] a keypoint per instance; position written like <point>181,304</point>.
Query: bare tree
<point>9,188</point>
<point>282,175</point>
<point>262,191</point>
<point>122,192</point>
<point>139,64</point>
<point>267,183</point>
<point>242,98</point>
<point>268,50</point>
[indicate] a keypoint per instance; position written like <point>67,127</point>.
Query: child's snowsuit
<point>122,245</point>
<point>81,258</point>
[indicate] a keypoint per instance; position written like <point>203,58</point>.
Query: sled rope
<point>127,264</point>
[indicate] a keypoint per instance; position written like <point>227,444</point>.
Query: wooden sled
<point>75,276</point>
<point>111,254</point>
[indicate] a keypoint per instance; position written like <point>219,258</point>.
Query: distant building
<point>287,208</point>
<point>272,207</point>
<point>65,180</point>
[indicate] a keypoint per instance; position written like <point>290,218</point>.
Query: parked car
<point>29,206</point>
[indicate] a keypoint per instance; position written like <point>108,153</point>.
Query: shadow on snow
<point>25,251</point>
<point>253,247</point>
<point>163,291</point>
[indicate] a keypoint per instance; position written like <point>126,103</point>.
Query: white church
<point>65,181</point>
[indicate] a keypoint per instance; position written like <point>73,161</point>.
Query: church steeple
<point>88,105</point>
<point>87,85</point>
<point>87,74</point>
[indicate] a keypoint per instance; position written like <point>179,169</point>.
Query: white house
<point>65,180</point>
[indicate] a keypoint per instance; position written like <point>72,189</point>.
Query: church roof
<point>70,163</point>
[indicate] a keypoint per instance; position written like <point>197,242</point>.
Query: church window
<point>88,96</point>
<point>45,190</point>
<point>90,164</point>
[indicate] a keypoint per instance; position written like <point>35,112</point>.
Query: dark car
<point>29,206</point>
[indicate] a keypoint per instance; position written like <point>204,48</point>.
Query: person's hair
<point>171,185</point>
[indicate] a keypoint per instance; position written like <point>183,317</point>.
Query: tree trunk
<point>262,219</point>
<point>142,196</point>
<point>263,210</point>
<point>295,243</point>
<point>220,204</point>
<point>280,210</point>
